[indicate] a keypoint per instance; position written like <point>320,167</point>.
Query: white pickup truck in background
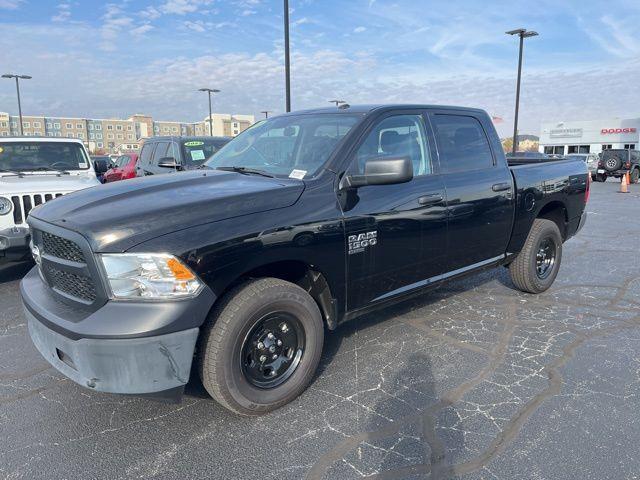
<point>35,170</point>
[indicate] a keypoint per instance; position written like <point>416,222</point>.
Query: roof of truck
<point>364,109</point>
<point>41,139</point>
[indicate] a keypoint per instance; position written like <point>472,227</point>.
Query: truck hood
<point>117,216</point>
<point>45,183</point>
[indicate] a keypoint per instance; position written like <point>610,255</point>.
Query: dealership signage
<point>606,131</point>
<point>565,132</point>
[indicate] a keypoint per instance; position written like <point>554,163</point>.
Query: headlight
<point>149,276</point>
<point>5,206</point>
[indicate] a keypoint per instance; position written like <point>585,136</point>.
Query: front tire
<point>261,346</point>
<point>536,266</point>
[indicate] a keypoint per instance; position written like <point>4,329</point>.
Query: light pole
<point>522,33</point>
<point>210,91</point>
<point>18,78</point>
<point>266,113</point>
<point>287,61</point>
<point>337,102</point>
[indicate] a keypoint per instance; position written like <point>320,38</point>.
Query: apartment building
<point>113,135</point>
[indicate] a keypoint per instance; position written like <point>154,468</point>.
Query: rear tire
<point>536,266</point>
<point>601,178</point>
<point>253,324</point>
<point>635,174</point>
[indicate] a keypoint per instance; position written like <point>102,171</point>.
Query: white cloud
<point>10,4</point>
<point>359,29</point>
<point>142,29</point>
<point>64,13</point>
<point>247,12</point>
<point>182,7</point>
<point>197,26</point>
<point>150,13</point>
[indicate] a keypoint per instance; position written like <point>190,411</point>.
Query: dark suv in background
<point>617,162</point>
<point>170,154</point>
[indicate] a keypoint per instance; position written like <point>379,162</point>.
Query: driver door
<point>396,234</point>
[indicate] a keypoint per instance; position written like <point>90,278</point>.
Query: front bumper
<point>14,244</point>
<point>122,347</point>
<point>136,365</point>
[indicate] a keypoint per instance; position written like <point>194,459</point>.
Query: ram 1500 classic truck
<point>302,222</point>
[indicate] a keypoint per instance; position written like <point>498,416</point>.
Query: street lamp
<point>287,61</point>
<point>522,33</point>
<point>210,91</point>
<point>337,102</point>
<point>18,78</point>
<point>266,113</point>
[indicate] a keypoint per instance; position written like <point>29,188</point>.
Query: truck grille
<point>22,205</point>
<point>61,248</point>
<point>77,286</point>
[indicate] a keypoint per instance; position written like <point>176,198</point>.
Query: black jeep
<point>617,162</point>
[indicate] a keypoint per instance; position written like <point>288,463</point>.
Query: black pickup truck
<point>303,222</point>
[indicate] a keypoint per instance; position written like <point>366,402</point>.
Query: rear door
<point>479,188</point>
<point>396,234</point>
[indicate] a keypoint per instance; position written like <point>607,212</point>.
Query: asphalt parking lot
<point>473,381</point>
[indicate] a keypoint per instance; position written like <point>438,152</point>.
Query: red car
<point>122,168</point>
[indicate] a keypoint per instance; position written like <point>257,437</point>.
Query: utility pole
<point>266,113</point>
<point>287,61</point>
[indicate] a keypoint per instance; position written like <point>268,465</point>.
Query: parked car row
<point>159,155</point>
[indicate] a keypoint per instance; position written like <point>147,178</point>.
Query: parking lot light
<point>522,33</point>
<point>337,102</point>
<point>210,91</point>
<point>18,78</point>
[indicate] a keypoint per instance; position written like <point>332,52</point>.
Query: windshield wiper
<point>246,171</point>
<point>4,170</point>
<point>49,169</point>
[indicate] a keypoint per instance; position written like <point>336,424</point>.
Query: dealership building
<point>589,136</point>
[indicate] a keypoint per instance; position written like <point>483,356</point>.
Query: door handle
<point>501,187</point>
<point>430,199</point>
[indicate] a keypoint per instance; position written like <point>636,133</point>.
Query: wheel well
<point>303,275</point>
<point>556,212</point>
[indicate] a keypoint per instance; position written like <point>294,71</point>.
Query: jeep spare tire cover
<point>613,162</point>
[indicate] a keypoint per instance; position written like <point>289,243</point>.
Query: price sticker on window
<point>197,155</point>
<point>299,174</point>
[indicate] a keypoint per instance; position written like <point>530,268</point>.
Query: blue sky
<point>98,59</point>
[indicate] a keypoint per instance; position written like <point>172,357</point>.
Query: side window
<point>145,154</point>
<point>160,152</point>
<point>462,143</point>
<point>396,136</point>
<point>173,150</point>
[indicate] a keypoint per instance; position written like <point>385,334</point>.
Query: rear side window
<point>145,155</point>
<point>160,152</point>
<point>462,143</point>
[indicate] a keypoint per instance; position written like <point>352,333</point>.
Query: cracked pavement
<point>473,381</point>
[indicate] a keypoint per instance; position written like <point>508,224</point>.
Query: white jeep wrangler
<point>34,170</point>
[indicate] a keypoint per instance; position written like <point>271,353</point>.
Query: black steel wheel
<point>545,258</point>
<point>260,346</point>
<point>536,266</point>
<point>635,175</point>
<point>272,350</point>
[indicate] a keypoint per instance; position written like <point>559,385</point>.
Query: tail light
<point>588,190</point>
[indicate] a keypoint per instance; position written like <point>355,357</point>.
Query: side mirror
<point>169,162</point>
<point>382,171</point>
<point>100,166</point>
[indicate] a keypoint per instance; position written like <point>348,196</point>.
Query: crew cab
<point>619,162</point>
<point>33,171</point>
<point>300,223</point>
<point>122,168</point>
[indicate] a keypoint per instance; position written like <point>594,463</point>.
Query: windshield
<point>196,152</point>
<point>30,156</point>
<point>621,154</point>
<point>296,146</point>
